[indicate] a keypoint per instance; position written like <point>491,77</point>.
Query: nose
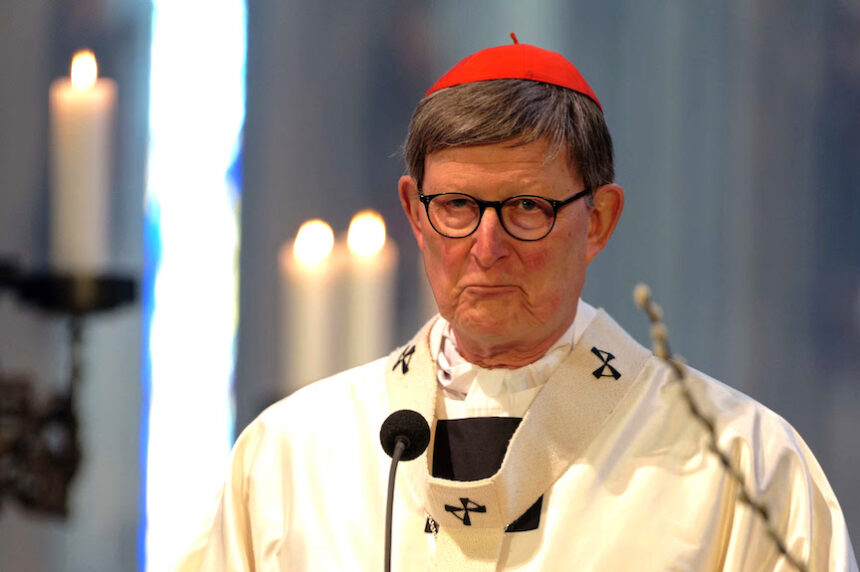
<point>490,240</point>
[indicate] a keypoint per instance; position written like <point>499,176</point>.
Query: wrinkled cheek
<point>537,259</point>
<point>557,287</point>
<point>442,280</point>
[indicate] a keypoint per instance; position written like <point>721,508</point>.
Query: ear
<point>603,216</point>
<point>407,188</point>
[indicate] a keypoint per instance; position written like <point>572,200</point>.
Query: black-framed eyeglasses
<point>524,217</point>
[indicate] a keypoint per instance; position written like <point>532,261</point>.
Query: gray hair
<point>516,110</point>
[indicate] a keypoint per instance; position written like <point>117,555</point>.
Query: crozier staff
<point>558,442</point>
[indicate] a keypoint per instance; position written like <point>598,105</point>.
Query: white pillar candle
<point>81,110</point>
<point>371,294</point>
<point>310,270</point>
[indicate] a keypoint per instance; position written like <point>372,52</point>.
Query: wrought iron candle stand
<point>39,446</point>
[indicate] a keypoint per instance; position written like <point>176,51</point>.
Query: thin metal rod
<point>399,447</point>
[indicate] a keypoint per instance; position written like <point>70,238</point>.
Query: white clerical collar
<point>459,377</point>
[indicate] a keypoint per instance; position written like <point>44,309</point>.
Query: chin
<point>487,325</point>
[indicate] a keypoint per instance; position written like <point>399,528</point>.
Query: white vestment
<point>626,475</point>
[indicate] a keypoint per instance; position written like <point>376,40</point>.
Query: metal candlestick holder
<point>39,447</point>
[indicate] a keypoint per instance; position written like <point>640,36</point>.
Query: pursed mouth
<point>490,287</point>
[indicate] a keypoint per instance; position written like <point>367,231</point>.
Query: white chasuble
<point>625,474</point>
<point>569,411</point>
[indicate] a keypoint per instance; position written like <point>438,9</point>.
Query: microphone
<point>407,426</point>
<point>404,435</point>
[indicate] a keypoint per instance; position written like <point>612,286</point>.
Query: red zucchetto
<point>516,61</point>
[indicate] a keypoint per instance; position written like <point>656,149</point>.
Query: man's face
<point>506,299</point>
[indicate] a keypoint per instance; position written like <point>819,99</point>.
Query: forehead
<point>510,161</point>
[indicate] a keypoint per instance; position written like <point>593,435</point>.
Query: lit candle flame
<point>314,242</point>
<point>366,234</point>
<point>85,70</point>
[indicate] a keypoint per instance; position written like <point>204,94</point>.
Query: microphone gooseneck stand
<point>404,435</point>
<point>401,446</point>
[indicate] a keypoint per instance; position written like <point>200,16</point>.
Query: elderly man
<point>557,441</point>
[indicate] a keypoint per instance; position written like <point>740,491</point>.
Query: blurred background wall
<point>737,136</point>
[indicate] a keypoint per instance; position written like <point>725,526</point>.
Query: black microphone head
<point>409,425</point>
